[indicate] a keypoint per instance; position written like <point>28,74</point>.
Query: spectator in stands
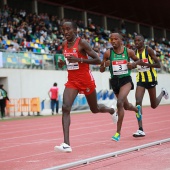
<point>24,45</point>
<point>35,23</point>
<point>54,35</point>
<point>37,34</point>
<point>42,37</point>
<point>3,98</point>
<point>11,48</point>
<point>80,79</point>
<point>16,45</point>
<point>117,58</point>
<point>22,13</point>
<point>147,79</point>
<point>28,36</point>
<point>9,31</point>
<point>20,35</point>
<point>53,94</point>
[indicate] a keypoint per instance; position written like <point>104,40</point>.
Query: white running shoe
<point>166,95</point>
<point>115,117</point>
<point>139,133</point>
<point>63,148</point>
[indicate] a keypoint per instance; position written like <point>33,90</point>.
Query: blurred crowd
<point>41,33</point>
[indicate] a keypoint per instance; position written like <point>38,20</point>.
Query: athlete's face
<point>68,31</point>
<point>115,40</point>
<point>139,42</point>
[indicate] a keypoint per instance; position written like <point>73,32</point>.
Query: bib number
<point>119,67</point>
<point>143,68</point>
<point>71,66</point>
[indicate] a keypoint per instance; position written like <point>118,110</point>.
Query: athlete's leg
<point>96,108</point>
<point>129,106</point>
<point>121,97</point>
<point>68,98</point>
<point>140,91</point>
<point>153,99</point>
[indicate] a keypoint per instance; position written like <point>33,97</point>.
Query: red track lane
<point>153,158</point>
<point>28,144</point>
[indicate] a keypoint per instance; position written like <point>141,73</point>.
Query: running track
<point>28,144</point>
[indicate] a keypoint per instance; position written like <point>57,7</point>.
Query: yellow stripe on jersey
<point>148,76</point>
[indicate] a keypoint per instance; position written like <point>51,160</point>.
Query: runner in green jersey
<point>118,60</point>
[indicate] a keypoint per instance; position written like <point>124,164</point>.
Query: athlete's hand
<point>131,65</point>
<point>72,59</point>
<point>141,63</point>
<point>61,63</point>
<point>107,63</point>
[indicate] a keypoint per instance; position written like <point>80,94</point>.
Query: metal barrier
<point>113,154</point>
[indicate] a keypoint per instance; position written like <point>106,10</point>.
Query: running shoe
<point>166,95</point>
<point>116,137</point>
<point>139,133</point>
<point>63,148</point>
<point>115,117</point>
<point>138,114</point>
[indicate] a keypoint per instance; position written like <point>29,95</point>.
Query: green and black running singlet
<point>118,64</point>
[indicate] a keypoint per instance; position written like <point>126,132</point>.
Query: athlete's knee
<point>153,106</point>
<point>66,108</point>
<point>94,110</point>
<point>120,103</point>
<point>127,107</point>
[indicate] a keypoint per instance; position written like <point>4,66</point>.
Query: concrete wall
<point>36,83</point>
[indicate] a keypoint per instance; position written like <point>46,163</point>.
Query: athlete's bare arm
<point>131,54</point>
<point>85,49</point>
<point>61,63</point>
<point>105,62</point>
<point>156,63</point>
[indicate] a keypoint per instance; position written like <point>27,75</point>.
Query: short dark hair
<point>140,35</point>
<point>72,23</point>
<point>119,34</point>
<point>55,84</point>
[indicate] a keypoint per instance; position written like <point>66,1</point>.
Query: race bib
<point>71,66</point>
<point>143,68</point>
<point>119,67</point>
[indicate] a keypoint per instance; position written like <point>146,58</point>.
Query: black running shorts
<point>147,85</point>
<point>117,83</point>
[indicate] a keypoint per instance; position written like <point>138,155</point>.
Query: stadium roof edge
<point>144,12</point>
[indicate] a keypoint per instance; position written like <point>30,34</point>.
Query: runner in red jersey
<point>79,74</point>
<point>80,79</point>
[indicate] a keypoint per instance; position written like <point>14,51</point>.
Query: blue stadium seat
<point>82,100</point>
<point>4,42</point>
<point>104,94</point>
<point>111,94</point>
<point>39,46</point>
<point>34,50</point>
<point>37,62</point>
<point>99,95</point>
